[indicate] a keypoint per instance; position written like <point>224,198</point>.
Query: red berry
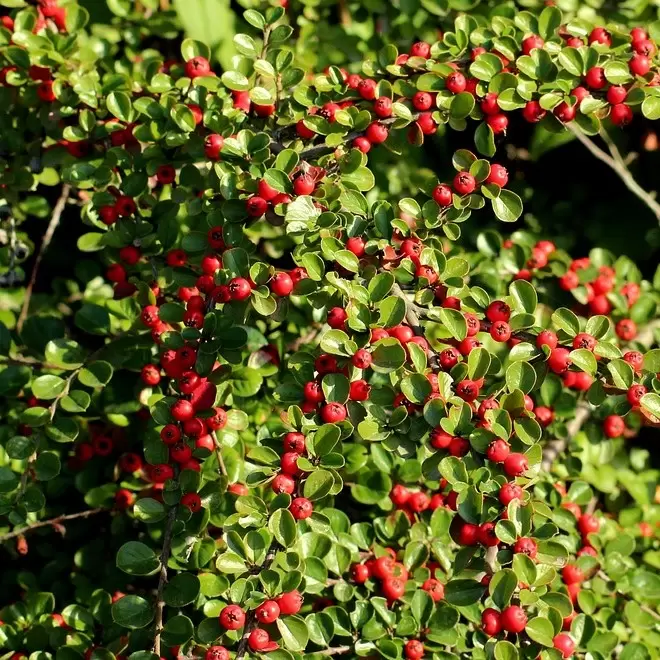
<point>435,589</point>
<point>498,175</point>
<point>283,483</point>
<point>571,574</point>
<point>362,143</point>
<point>413,649</point>
<point>498,310</point>
<point>267,612</point>
<point>500,331</point>
<point>216,653</point>
<point>526,546</point>
<point>150,374</point>
<point>232,617</point>
<point>515,464</point>
<point>498,122</point>
<point>376,133</point>
<point>192,501</point>
<point>259,640</point>
<point>635,359</point>
<point>304,184</point>
<point>635,394</point>
<point>489,104</point>
<point>356,245</point>
<point>422,101</point>
<point>600,35</point>
<point>588,524</point>
<point>510,492</point>
<point>337,318</point>
<point>464,183</point>
<point>362,359</point>
<point>383,107</point>
<point>595,78</point>
<point>197,66</point>
<point>616,94</point>
<point>333,413</point>
<point>513,619</point>
<point>182,410</point>
<point>498,450</point>
<point>455,82</point>
<point>393,588</point>
<point>559,360</point>
<point>360,573</point>
<point>621,114</point>
<point>467,533</point>
<point>533,112</point>
<point>367,89</point>
<point>301,508</point>
<point>490,622</point>
<point>290,603</point>
<point>547,338</point>
<point>639,65</point>
<point>530,43</point>
<point>565,112</point>
<point>213,146</point>
<point>239,288</point>
<point>256,206</point>
<point>420,49</point>
<point>564,644</point>
<point>487,536</point>
<point>443,195</point>
<point>626,329</point>
<point>614,426</point>
<point>281,284</point>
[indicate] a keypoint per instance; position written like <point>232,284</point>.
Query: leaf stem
<point>47,523</point>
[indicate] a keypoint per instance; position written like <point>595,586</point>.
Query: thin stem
<point>48,237</point>
<point>250,619</point>
<point>218,454</point>
<point>618,165</point>
<point>162,579</point>
<point>51,522</point>
<point>337,650</point>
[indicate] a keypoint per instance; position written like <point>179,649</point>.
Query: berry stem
<point>616,163</point>
<point>218,453</point>
<point>45,244</point>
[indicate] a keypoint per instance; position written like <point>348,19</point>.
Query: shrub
<point>288,401</point>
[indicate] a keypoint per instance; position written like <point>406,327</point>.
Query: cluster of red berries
<point>233,617</point>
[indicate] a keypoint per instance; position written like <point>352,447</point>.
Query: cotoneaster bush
<point>280,412</point>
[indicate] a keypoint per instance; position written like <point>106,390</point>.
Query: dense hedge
<point>298,391</point>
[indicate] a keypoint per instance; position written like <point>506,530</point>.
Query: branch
<point>251,620</point>
<point>218,454</point>
<point>337,650</point>
<point>48,237</point>
<point>162,580</point>
<point>556,446</point>
<point>616,163</point>
<point>47,523</point>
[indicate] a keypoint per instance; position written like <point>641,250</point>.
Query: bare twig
<point>337,650</point>
<point>250,620</point>
<point>48,523</point>
<point>307,338</point>
<point>48,237</point>
<point>162,579</point>
<point>617,163</point>
<point>218,454</point>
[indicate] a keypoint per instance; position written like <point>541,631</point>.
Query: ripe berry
<point>510,492</point>
<point>489,104</point>
<point>526,546</point>
<point>449,358</point>
<point>383,107</point>
<point>301,508</point>
<point>564,644</point>
<point>259,640</point>
<point>124,499</point>
<point>150,374</point>
<point>283,483</point>
<point>290,603</point>
<point>533,112</point>
<point>303,131</point>
<point>413,649</point>
<point>197,66</point>
<point>588,524</point>
<point>359,390</point>
<point>498,122</point>
<point>256,206</point>
<point>639,65</point>
<point>367,89</point>
<point>192,501</point>
<point>616,94</point>
<point>216,653</point>
<point>490,622</point>
<point>621,114</point>
<point>435,589</point>
<point>468,390</point>
<point>356,245</point>
<point>635,359</point>
<point>422,101</point>
<point>487,536</point>
<point>456,82</point>
<point>498,175</point>
<point>393,588</point>
<point>498,310</point>
<point>362,359</point>
<point>498,450</point>
<point>362,144</point>
<point>464,183</point>
<point>595,78</point>
<point>213,146</point>
<point>181,453</point>
<point>376,133</point>
<point>600,35</point>
<point>513,619</point>
<point>418,502</point>
<point>232,617</point>
<point>426,123</point>
<point>530,43</point>
<point>239,288</point>
<point>333,413</point>
<point>515,464</point>
<point>635,394</point>
<point>500,331</point>
<point>420,49</point>
<point>443,195</point>
<point>626,329</point>
<point>182,410</point>
<point>267,612</point>
<point>565,112</point>
<point>614,426</point>
<point>159,474</point>
<point>544,415</point>
<point>337,318</point>
<point>467,534</point>
<point>360,573</point>
<point>303,184</point>
<point>559,360</point>
<point>281,284</point>
<point>571,574</point>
